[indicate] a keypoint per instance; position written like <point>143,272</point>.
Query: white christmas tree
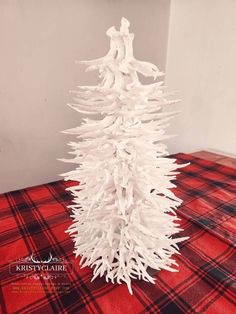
<point>123,207</point>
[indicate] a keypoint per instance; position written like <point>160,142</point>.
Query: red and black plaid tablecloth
<point>33,222</point>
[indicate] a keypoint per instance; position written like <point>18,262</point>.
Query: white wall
<point>39,42</point>
<point>201,65</point>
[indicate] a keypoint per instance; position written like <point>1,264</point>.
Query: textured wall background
<point>201,65</point>
<point>39,42</point>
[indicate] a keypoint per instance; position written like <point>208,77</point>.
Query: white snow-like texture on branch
<point>123,207</point>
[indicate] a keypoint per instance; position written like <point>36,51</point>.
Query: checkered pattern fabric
<point>33,223</point>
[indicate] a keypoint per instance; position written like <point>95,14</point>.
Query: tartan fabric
<point>33,221</point>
